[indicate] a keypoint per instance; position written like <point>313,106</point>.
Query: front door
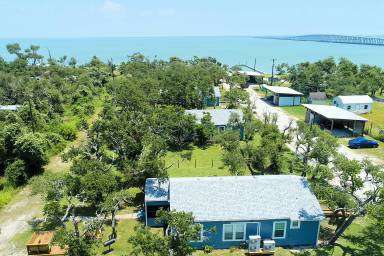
<point>252,229</point>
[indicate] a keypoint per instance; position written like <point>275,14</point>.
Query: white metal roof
<point>9,107</point>
<point>250,73</point>
<point>333,112</point>
<point>281,90</point>
<point>219,116</point>
<point>355,99</point>
<point>241,198</point>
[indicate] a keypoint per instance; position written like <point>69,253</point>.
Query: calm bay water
<point>228,50</point>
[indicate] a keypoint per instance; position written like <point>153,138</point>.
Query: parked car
<point>361,142</point>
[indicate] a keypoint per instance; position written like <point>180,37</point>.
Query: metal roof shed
<point>354,103</point>
<point>332,117</point>
<point>9,107</point>
<point>284,96</point>
<point>220,117</point>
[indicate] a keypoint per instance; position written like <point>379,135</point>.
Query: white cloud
<point>112,6</point>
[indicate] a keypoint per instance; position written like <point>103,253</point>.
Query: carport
<point>340,122</point>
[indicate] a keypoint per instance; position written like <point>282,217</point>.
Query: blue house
<point>230,209</point>
<point>283,96</point>
<point>220,117</point>
<point>215,101</point>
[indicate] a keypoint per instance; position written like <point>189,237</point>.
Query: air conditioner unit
<point>269,245</point>
<point>254,243</point>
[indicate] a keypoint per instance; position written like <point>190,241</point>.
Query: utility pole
<point>273,67</point>
<point>254,65</point>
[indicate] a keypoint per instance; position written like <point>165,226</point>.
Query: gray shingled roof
<point>244,198</point>
<point>219,116</point>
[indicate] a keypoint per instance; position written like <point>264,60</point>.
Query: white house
<point>355,103</point>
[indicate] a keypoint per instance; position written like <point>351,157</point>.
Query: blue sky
<point>98,18</point>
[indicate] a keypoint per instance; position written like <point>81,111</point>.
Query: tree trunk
<point>341,229</point>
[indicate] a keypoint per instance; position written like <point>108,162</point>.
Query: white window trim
<point>299,223</point>
<point>285,229</point>
<point>234,232</point>
<point>201,235</point>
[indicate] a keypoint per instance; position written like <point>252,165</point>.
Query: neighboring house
<point>230,209</point>
<point>283,96</point>
<point>220,117</point>
<point>253,77</point>
<point>317,98</point>
<point>355,103</point>
<point>216,98</point>
<point>340,122</point>
<point>9,107</point>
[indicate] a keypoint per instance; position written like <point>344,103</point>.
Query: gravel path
<point>14,220</point>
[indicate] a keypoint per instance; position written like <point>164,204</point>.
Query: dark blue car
<point>361,142</point>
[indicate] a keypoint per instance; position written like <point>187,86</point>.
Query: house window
<point>365,106</point>
<point>295,224</point>
<point>234,232</point>
<point>349,107</point>
<point>279,228</point>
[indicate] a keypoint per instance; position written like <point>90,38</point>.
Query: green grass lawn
<point>376,119</point>
<point>125,229</point>
<point>7,192</point>
<point>295,111</point>
<point>208,162</point>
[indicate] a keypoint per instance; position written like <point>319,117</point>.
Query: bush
<point>67,131</point>
<point>208,249</point>
<point>31,148</point>
<point>56,142</point>
<point>16,173</point>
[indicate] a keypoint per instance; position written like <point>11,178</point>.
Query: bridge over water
<point>335,39</point>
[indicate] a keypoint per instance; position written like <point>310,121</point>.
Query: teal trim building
<point>220,117</point>
<point>230,209</point>
<point>215,101</point>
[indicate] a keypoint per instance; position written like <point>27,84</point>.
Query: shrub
<point>31,148</point>
<point>208,249</point>
<point>67,131</point>
<point>16,173</point>
<point>56,142</point>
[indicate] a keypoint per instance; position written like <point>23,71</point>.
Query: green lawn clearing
<point>125,229</point>
<point>196,162</point>
<point>376,119</point>
<point>7,192</point>
<point>295,111</point>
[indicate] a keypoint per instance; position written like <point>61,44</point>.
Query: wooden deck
<point>40,244</point>
<point>329,213</point>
